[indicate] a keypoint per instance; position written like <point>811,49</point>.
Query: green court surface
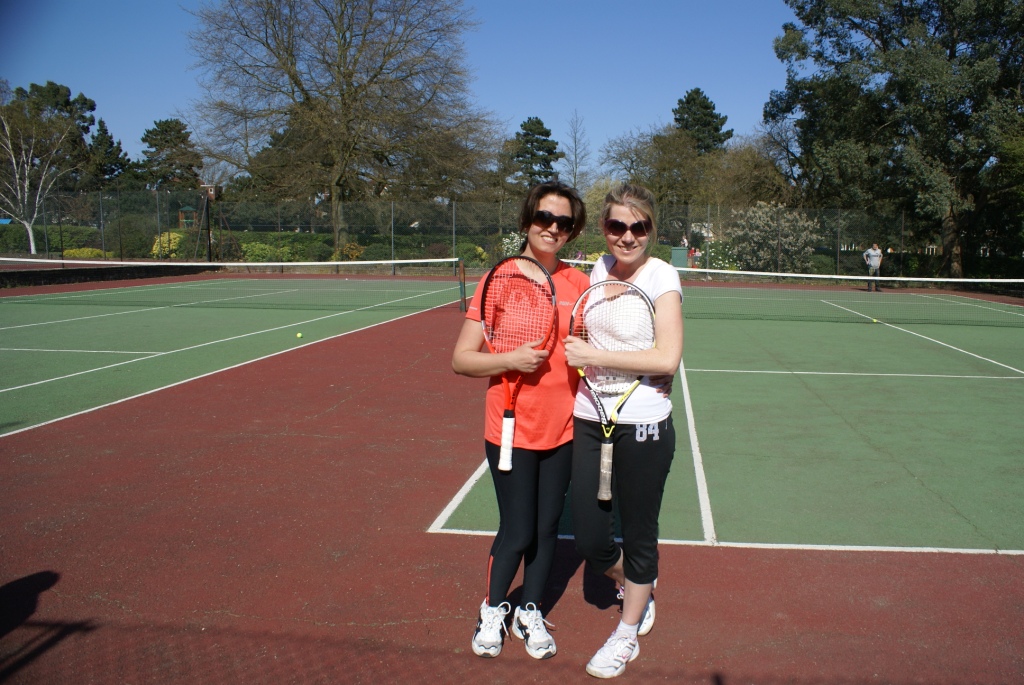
<point>903,433</point>
<point>845,435</point>
<point>68,352</point>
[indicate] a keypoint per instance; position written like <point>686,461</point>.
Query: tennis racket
<point>618,317</point>
<point>517,307</point>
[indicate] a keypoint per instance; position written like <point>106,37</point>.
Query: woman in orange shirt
<point>530,496</point>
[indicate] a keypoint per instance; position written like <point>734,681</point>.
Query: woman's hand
<point>526,359</point>
<point>578,352</point>
<point>663,383</point>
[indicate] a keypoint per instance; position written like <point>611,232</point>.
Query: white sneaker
<point>647,618</point>
<point>488,638</point>
<point>528,624</point>
<point>611,659</point>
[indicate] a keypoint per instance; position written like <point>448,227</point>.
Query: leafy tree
<point>535,152</point>
<point>372,93</point>
<point>53,102</point>
<point>104,162</point>
<point>34,155</point>
<point>171,158</point>
<point>695,114</point>
<point>901,103</point>
<point>664,160</point>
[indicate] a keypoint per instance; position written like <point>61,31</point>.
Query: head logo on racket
<point>517,307</point>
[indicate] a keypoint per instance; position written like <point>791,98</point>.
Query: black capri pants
<point>643,458</point>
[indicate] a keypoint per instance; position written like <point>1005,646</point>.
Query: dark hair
<point>542,190</point>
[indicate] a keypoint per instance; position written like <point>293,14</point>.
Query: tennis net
<point>401,284</point>
<point>719,294</point>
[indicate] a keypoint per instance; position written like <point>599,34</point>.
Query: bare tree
<point>577,154</point>
<point>363,87</point>
<point>32,159</point>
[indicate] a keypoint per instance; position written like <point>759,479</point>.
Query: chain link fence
<point>176,225</point>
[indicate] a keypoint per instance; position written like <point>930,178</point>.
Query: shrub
<point>823,264</point>
<point>350,252</point>
<point>259,252</point>
<point>317,252</point>
<point>376,253</point>
<point>471,254</point>
<point>87,253</point>
<point>167,245</point>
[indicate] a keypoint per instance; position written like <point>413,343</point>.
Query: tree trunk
<point>31,237</point>
<point>952,249</point>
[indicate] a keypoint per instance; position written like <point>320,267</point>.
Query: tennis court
<point>229,503</point>
<point>868,434</point>
<point>66,350</point>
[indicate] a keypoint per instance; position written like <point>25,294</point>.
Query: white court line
<point>780,546</point>
<point>206,344</point>
<point>32,349</point>
<point>211,373</point>
<point>144,310</point>
<point>925,337</point>
<point>971,302</point>
<point>707,520</point>
<point>858,373</point>
<point>438,525</point>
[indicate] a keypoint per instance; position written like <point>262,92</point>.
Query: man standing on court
<point>873,258</point>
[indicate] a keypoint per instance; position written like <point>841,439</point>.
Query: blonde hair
<point>636,198</point>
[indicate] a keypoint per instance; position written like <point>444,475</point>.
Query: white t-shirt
<point>646,404</point>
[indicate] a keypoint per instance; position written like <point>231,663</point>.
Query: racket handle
<point>604,490</point>
<point>508,429</point>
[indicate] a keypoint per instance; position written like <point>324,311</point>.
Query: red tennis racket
<point>517,307</point>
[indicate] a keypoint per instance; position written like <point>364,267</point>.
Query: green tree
<point>171,159</point>
<point>105,161</point>
<point>372,92</point>
<point>900,103</point>
<point>664,160</point>
<point>37,145</point>
<point>535,152</point>
<point>695,114</point>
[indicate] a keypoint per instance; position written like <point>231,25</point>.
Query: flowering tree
<point>770,237</point>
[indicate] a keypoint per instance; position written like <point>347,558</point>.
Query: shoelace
<point>535,621</point>
<point>620,645</point>
<point>496,616</point>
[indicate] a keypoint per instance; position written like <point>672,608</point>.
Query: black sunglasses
<point>544,219</point>
<point>618,228</point>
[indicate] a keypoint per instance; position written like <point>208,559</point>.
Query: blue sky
<point>620,65</point>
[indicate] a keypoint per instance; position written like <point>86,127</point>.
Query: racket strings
<point>615,319</point>
<point>518,311</point>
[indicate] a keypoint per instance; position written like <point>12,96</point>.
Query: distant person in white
<point>873,258</point>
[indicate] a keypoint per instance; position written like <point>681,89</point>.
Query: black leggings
<point>530,501</point>
<point>643,457</point>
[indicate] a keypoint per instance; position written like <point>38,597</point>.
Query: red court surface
<point>267,525</point>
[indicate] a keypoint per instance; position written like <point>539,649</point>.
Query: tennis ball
<point>298,335</point>
<point>872,321</point>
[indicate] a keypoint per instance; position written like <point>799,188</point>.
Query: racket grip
<point>508,429</point>
<point>604,489</point>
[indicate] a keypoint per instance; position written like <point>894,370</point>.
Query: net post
<point>462,286</point>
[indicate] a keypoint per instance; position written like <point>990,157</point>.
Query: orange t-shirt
<point>544,407</point>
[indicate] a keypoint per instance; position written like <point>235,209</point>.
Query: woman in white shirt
<point>644,440</point>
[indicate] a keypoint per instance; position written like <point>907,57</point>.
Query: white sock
<point>626,629</point>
